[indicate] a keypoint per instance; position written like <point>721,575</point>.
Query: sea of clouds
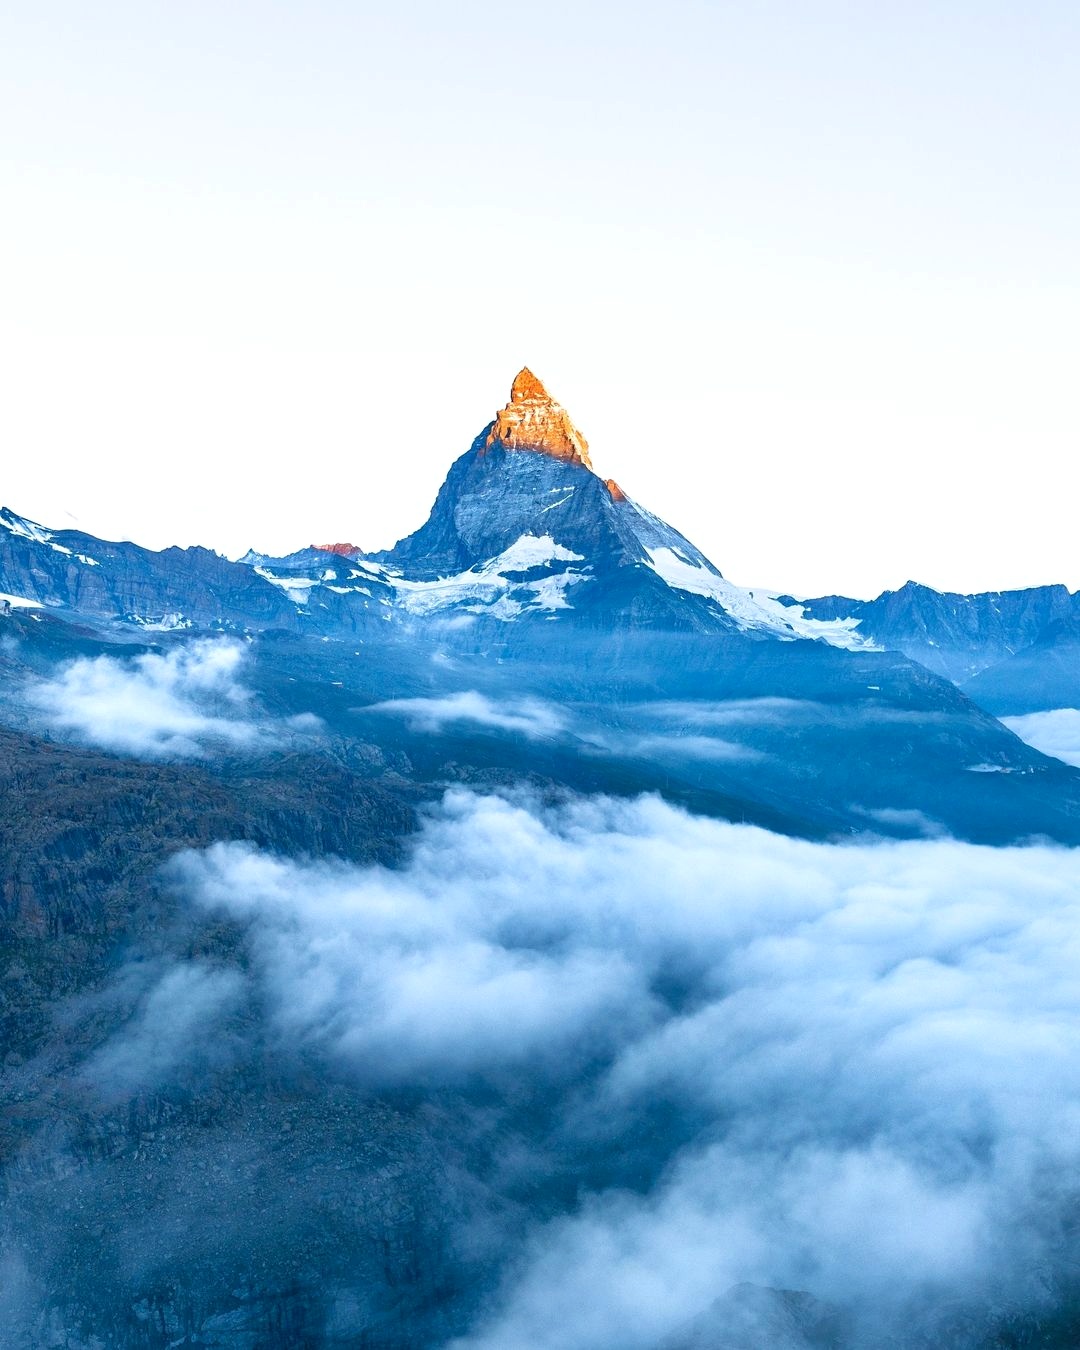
<point>723,1057</point>
<point>844,1069</point>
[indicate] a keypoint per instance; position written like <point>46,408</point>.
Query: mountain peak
<point>527,387</point>
<point>532,420</point>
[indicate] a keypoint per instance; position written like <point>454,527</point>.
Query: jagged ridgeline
<point>522,531</point>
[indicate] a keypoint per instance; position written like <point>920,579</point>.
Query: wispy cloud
<point>706,749</point>
<point>539,720</point>
<point>734,712</point>
<point>167,1029</point>
<point>907,820</point>
<point>529,717</point>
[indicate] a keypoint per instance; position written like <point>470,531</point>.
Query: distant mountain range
<point>534,577</point>
<point>524,533</point>
<point>959,636</point>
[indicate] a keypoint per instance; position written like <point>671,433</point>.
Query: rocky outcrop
<point>532,420</point>
<point>341,550</point>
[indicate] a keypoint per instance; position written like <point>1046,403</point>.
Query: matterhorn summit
<point>532,420</point>
<point>523,528</point>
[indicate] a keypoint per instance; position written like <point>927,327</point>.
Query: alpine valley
<point>245,1107</point>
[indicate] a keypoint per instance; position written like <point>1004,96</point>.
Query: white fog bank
<point>875,1046</point>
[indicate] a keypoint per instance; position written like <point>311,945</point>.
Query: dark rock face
<point>493,496</point>
<point>92,577</point>
<point>955,635</point>
<point>1043,676</point>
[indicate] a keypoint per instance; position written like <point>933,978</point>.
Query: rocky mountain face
<point>1036,678</point>
<point>80,574</point>
<point>962,636</point>
<point>532,420</point>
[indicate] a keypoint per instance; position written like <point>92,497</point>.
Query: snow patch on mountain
<point>754,610</point>
<point>837,632</point>
<point>168,623</point>
<point>486,587</point>
<point>531,551</point>
<point>28,529</point>
<point>550,591</point>
<point>297,588</point>
<point>567,494</point>
<point>37,534</point>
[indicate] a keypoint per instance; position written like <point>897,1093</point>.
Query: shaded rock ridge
<point>176,587</point>
<point>522,530</point>
<point>959,636</point>
<point>532,420</point>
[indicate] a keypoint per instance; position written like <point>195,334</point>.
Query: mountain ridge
<point>959,636</point>
<point>522,529</point>
<point>524,533</point>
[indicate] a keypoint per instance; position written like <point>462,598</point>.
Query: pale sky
<point>805,274</point>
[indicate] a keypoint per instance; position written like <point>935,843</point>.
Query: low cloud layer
<point>538,719</point>
<point>1055,733</point>
<point>185,703</point>
<point>844,1069</point>
<point>529,717</point>
<point>709,749</point>
<point>677,733</point>
<point>735,712</point>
